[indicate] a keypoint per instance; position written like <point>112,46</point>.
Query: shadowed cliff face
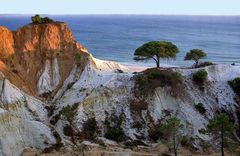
<point>35,49</point>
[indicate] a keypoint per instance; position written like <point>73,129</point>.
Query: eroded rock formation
<point>40,51</point>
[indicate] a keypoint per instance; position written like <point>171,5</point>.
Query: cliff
<point>34,62</point>
<point>103,93</point>
<point>6,43</point>
<point>51,88</point>
<point>41,55</point>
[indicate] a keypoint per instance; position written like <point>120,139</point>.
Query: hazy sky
<point>187,7</point>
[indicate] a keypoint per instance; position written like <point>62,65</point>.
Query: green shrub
<point>113,129</point>
<point>90,128</point>
<point>141,80</point>
<point>233,146</point>
<point>200,108</point>
<point>177,76</point>
<point>78,57</point>
<point>200,76</point>
<point>10,57</point>
<point>46,20</point>
<point>205,64</point>
<point>154,75</point>
<point>202,131</point>
<point>235,84</point>
<point>37,19</point>
<point>68,130</point>
<point>69,112</point>
<point>186,141</point>
<point>159,74</point>
<point>155,133</point>
<point>147,81</point>
<point>115,133</point>
<point>205,145</point>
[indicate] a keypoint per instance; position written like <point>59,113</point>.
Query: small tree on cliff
<point>156,50</point>
<point>171,129</point>
<point>196,55</point>
<point>221,127</point>
<point>235,84</point>
<point>36,19</point>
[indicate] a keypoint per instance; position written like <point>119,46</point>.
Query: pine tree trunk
<point>196,63</point>
<point>222,139</point>
<point>158,62</point>
<point>174,145</point>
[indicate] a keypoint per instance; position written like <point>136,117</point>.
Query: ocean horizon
<point>115,37</point>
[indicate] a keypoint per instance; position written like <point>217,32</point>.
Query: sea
<point>115,37</point>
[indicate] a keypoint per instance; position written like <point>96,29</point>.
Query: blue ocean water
<point>115,37</point>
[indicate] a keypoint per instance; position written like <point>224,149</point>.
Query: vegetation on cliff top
<point>196,55</point>
<point>156,50</point>
<point>150,79</point>
<point>164,49</point>
<point>37,19</point>
<point>200,76</point>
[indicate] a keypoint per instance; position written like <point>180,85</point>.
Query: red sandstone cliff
<point>26,52</point>
<point>6,42</point>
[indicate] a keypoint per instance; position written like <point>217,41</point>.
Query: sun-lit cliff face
<point>40,54</point>
<point>6,43</point>
<point>44,37</point>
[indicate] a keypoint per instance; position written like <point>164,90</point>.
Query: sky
<point>172,7</point>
